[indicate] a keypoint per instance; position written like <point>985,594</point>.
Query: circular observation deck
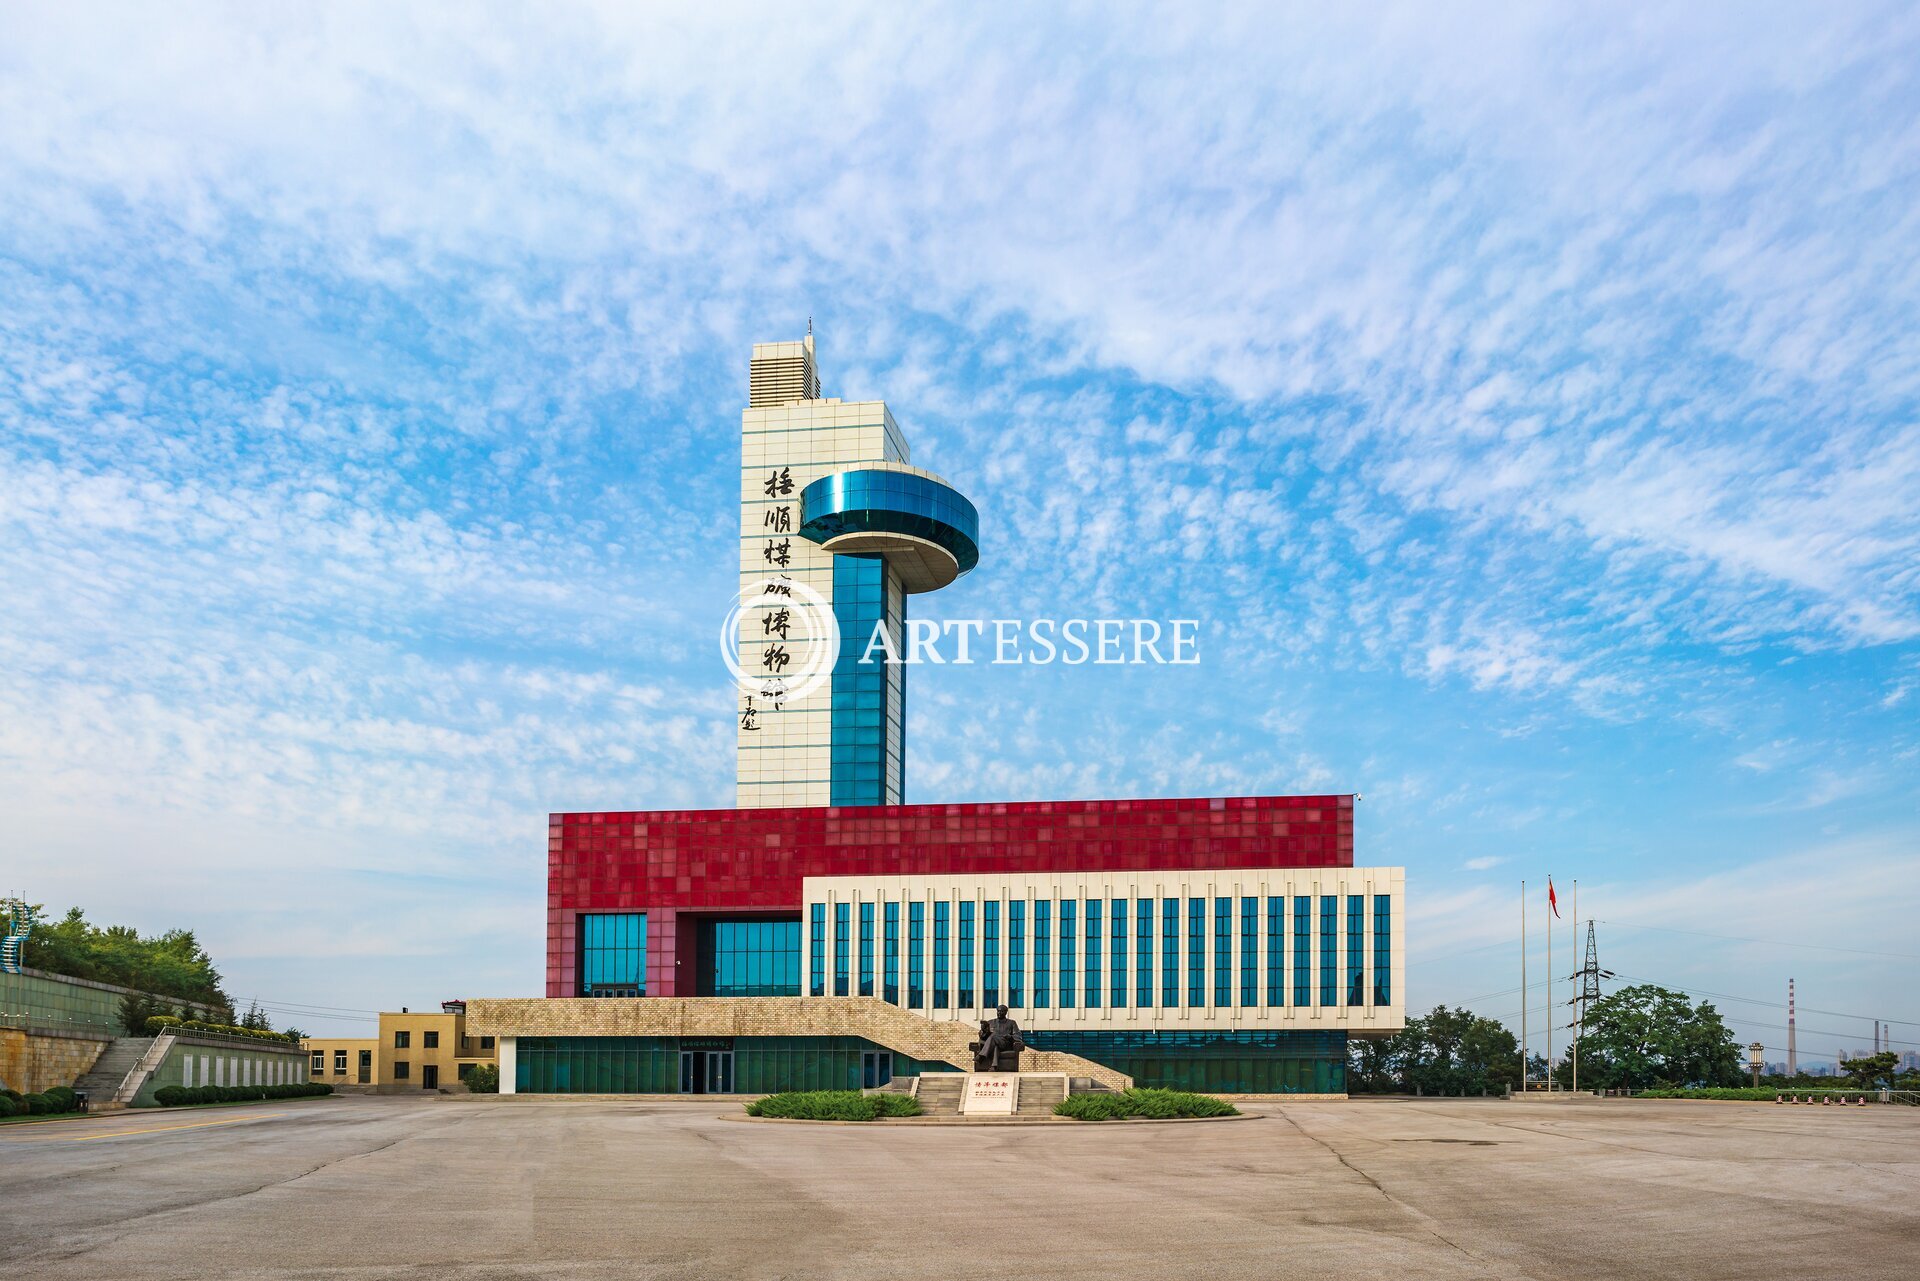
<point>928,533</point>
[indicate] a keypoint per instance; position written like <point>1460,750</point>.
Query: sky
<point>1525,401</point>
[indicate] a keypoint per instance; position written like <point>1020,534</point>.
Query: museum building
<point>822,935</point>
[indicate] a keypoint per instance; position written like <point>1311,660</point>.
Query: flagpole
<point>1523,988</point>
<point>1550,916</point>
<point>1582,1017</point>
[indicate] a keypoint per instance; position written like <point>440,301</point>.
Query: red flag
<point>1552,901</point>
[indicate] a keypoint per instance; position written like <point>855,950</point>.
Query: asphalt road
<point>339,1188</point>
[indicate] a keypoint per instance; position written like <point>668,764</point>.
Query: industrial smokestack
<point>1793,1060</point>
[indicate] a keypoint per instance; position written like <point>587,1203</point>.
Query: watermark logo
<point>1040,642</point>
<point>787,630</point>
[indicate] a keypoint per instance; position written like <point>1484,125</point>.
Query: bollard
<point>1779,1098</point>
<point>1825,1099</point>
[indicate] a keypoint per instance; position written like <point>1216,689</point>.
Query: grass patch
<point>1143,1104</point>
<point>833,1105</point>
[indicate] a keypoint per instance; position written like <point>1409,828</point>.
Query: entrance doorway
<point>875,1069</point>
<point>706,1071</point>
<point>366,1067</point>
<point>430,1076</point>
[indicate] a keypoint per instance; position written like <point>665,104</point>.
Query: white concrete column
<point>509,1063</point>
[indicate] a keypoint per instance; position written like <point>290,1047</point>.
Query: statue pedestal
<point>990,1094</point>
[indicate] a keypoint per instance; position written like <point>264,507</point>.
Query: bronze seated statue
<point>999,1046</point>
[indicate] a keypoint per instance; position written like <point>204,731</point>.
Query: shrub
<point>171,1023</point>
<point>8,1107</point>
<point>1149,1104</point>
<point>37,1104</point>
<point>833,1105</point>
<point>1745,1093</point>
<point>61,1098</point>
<point>14,1095</point>
<point>484,1078</point>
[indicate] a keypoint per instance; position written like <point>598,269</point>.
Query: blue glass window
<point>966,955</point>
<point>1329,949</point>
<point>1196,952</point>
<point>1017,953</point>
<point>1143,954</point>
<point>613,954</point>
<point>942,949</point>
<point>747,958</point>
<point>990,953</point>
<point>1303,949</point>
<point>890,965</point>
<point>916,956</point>
<point>1249,951</point>
<point>1091,992</point>
<point>817,949</point>
<point>1042,953</point>
<point>1118,984</point>
<point>1382,949</point>
<point>1277,950</point>
<point>877,501</point>
<point>1170,953</point>
<point>1066,953</point>
<point>1356,949</point>
<point>866,949</point>
<point>842,946</point>
<point>1223,951</point>
<point>869,699</point>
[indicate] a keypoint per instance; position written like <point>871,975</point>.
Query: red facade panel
<point>665,862</point>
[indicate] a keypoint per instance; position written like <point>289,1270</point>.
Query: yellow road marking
<point>160,1130</point>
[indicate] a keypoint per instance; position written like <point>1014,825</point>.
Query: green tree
<point>1646,1036</point>
<point>1444,1051</point>
<point>171,964</point>
<point>1872,1071</point>
<point>483,1078</point>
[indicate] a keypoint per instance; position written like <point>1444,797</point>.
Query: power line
<point>1731,938</point>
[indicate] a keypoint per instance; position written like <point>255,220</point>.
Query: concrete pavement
<point>372,1187</point>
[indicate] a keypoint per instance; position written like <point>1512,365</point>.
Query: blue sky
<point>1524,400</point>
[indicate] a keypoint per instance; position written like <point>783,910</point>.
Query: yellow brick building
<point>413,1052</point>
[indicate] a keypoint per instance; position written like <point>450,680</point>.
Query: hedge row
<point>833,1105</point>
<point>173,1096</point>
<point>1742,1093</point>
<point>1158,1105</point>
<point>47,1103</point>
<point>169,1023</point>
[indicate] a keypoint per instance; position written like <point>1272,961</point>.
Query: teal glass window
<point>1249,951</point>
<point>1223,951</point>
<point>866,949</point>
<point>1356,949</point>
<point>942,949</point>
<point>1170,953</point>
<point>1042,953</point>
<point>747,958</point>
<point>1017,953</point>
<point>990,953</point>
<point>890,957</point>
<point>869,699</point>
<point>1196,952</point>
<point>817,948</point>
<point>1143,954</point>
<point>1382,949</point>
<point>966,955</point>
<point>1117,923</point>
<point>1067,952</point>
<point>613,954</point>
<point>916,956</point>
<point>1276,950</point>
<point>1329,949</point>
<point>842,946</point>
<point>1302,949</point>
<point>1090,992</point>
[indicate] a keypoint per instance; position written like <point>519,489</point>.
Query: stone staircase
<point>1038,1094</point>
<point>118,1068</point>
<point>939,1093</point>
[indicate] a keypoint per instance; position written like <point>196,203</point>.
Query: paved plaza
<point>373,1187</point>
